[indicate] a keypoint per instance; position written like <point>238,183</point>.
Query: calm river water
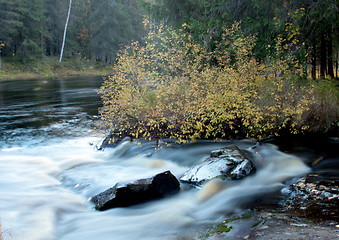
<point>49,169</point>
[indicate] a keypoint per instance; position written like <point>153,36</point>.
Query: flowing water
<point>49,169</point>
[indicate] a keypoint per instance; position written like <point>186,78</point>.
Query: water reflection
<point>45,105</point>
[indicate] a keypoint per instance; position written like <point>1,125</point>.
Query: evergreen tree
<point>32,32</point>
<point>79,29</point>
<point>56,15</point>
<point>113,24</point>
<point>10,23</point>
<point>266,19</point>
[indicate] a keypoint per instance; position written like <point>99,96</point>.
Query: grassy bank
<point>50,67</point>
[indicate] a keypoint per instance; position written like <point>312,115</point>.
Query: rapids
<point>49,169</point>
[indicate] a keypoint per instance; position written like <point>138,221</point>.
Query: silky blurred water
<point>49,169</point>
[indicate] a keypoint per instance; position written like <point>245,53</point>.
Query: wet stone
<point>228,163</point>
<point>315,196</point>
<point>125,194</point>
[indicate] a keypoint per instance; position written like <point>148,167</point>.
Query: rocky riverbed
<point>264,224</point>
<point>277,225</point>
<point>304,205</point>
<point>314,196</point>
<point>307,208</point>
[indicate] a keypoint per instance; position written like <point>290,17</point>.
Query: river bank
<point>265,224</point>
<point>50,67</point>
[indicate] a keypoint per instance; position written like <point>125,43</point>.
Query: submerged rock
<point>127,194</point>
<point>228,163</point>
<point>111,140</point>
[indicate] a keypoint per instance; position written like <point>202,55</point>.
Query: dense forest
<point>315,22</point>
<point>98,29</point>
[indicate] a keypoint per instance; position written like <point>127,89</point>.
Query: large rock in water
<point>228,163</point>
<point>127,194</point>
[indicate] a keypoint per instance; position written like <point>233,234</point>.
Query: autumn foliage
<point>170,87</point>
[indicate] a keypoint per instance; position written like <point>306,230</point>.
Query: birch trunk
<point>65,31</point>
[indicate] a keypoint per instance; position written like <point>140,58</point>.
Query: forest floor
<point>50,67</point>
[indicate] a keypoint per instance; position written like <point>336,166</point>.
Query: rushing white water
<point>50,171</point>
<point>45,192</point>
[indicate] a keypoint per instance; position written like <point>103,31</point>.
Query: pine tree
<point>112,25</point>
<point>10,24</point>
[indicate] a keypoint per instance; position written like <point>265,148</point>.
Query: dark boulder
<point>142,190</point>
<point>228,163</point>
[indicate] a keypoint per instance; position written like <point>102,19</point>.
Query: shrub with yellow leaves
<point>167,87</point>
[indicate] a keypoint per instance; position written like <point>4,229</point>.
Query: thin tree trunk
<point>1,45</point>
<point>336,65</point>
<point>323,58</point>
<point>65,30</point>
<point>314,61</point>
<point>43,52</point>
<point>330,56</point>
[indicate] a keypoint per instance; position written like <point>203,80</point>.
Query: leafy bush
<point>323,114</point>
<point>171,87</point>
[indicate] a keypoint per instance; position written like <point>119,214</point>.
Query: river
<point>49,169</point>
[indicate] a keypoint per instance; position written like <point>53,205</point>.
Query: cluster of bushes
<point>170,87</point>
